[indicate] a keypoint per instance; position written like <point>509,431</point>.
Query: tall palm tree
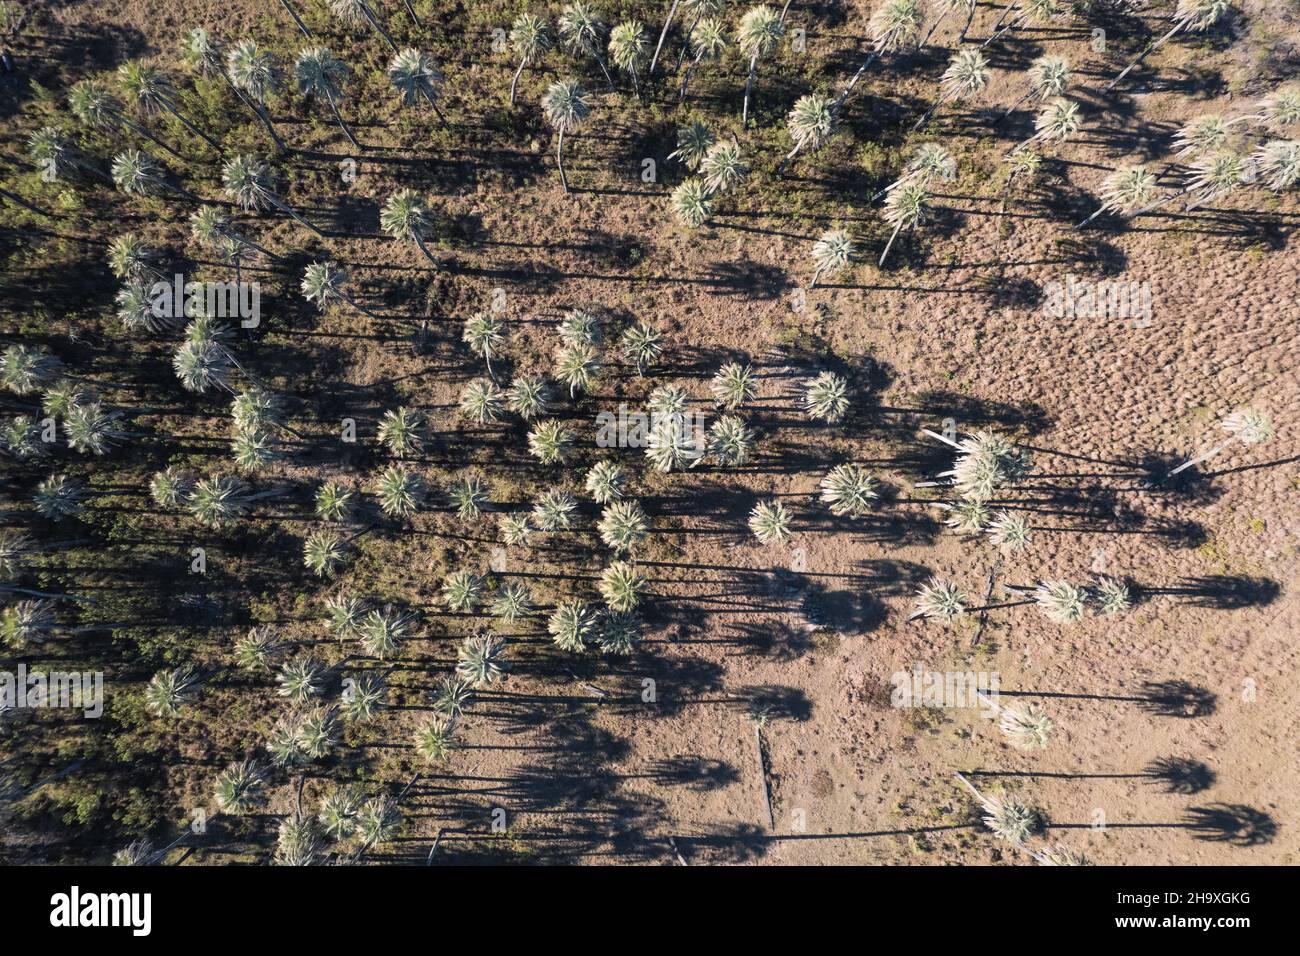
<point>1058,121</point>
<point>733,385</point>
<point>723,166</point>
<point>1215,176</point>
<point>831,253</point>
<point>930,162</point>
<point>1038,10</point>
<point>1194,16</point>
<point>769,522</point>
<point>323,283</point>
<point>760,32</point>
<point>413,74</point>
<point>628,44</point>
<point>484,333</point>
<point>138,174</point>
<point>96,107</point>
<point>320,75</point>
<point>826,397</point>
<point>692,202</point>
<point>623,524</point>
<point>849,490</point>
<point>894,25</point>
<point>357,11</point>
<point>482,401</point>
<point>693,142</point>
<point>810,123</point>
<point>250,184</point>
<point>668,22</point>
<point>621,585</point>
<point>151,89</point>
<point>605,481</point>
<point>1125,192</point>
<point>1247,426</point>
<point>565,107</point>
<point>529,396</point>
<point>940,599</point>
<point>582,31</point>
<point>904,209</point>
<point>572,624</point>
<point>947,7</point>
<point>406,218</point>
<point>576,366</point>
<point>530,39</point>
<point>707,42</point>
<point>1049,76</point>
<point>1278,163</point>
<point>642,346</point>
<point>967,73</point>
<point>400,492</point>
<point>255,74</point>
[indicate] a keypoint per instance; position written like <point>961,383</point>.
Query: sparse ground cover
<point>319,680</point>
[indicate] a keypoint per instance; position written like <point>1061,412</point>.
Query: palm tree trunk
<point>934,26</point>
<point>1145,53</point>
<point>141,131</point>
<point>434,103</point>
<point>686,78</point>
<point>514,83</point>
<point>749,85</point>
<point>866,65</point>
<point>245,241</point>
<point>257,110</point>
<point>668,22</point>
<point>1100,210</point>
<point>411,10</point>
<point>284,208</point>
<point>1013,107</point>
<point>347,130</point>
<point>817,274</point>
<point>374,22</point>
<point>762,773</point>
<point>171,108</point>
<point>360,308</point>
<point>296,19</point>
<point>559,159</point>
<point>970,15</point>
<point>889,244</point>
<point>419,241</point>
<point>1200,458</point>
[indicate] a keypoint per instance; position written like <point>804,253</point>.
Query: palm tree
<point>1010,532</point>
<point>528,396</point>
<point>605,481</point>
<point>565,107</point>
<point>550,442</point>
<point>51,151</point>
<point>576,366</point>
<point>478,660</point>
<point>940,599</point>
<point>25,369</point>
<point>1247,425</point>
<point>255,75</point>
<point>894,25</point>
<point>572,624</point>
<point>530,39</point>
<point>831,253</point>
<point>967,73</point>
<point>1278,162</point>
<point>1111,596</point>
<point>1125,192</point>
<point>462,590</point>
<point>723,166</point>
<point>345,614</point>
<point>434,739</point>
<point>1058,121</point>
<point>399,491</point>
<point>137,174</point>
<point>707,42</point>
<point>693,142</point>
<point>151,89</point>
<point>1059,855</point>
<point>1049,76</point>
<point>1281,109</point>
<point>623,525</point>
<point>769,522</point>
<point>364,698</point>
<point>929,162</point>
<point>406,219</point>
<point>415,77</point>
<point>582,31</point>
<point>92,429</point>
<point>452,696</point>
<point>811,123</point>
<point>323,283</point>
<point>402,431</point>
<point>320,75</point>
<point>1006,817</point>
<point>484,333</point>
<point>759,33</point>
<point>554,510</point>
<point>617,633</point>
<point>468,494</point>
<point>904,209</point>
<point>301,678</point>
<point>1194,16</point>
<point>249,184</point>
<point>239,787</point>
<point>515,529</point>
<point>730,441</point>
<point>642,346</point>
<point>355,11</point>
<point>849,490</point>
<point>512,602</point>
<point>482,401</point>
<point>381,631</point>
<point>692,201</point>
<point>1039,10</point>
<point>733,385</point>
<point>1059,601</point>
<point>96,107</point>
<point>1216,176</point>
<point>826,397</point>
<point>168,691</point>
<point>621,586</point>
<point>323,552</point>
<point>674,442</point>
<point>1028,728</point>
<point>580,327</point>
<point>628,44</point>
